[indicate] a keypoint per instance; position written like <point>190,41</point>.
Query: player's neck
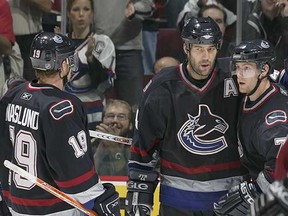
<point>264,85</point>
<point>54,80</point>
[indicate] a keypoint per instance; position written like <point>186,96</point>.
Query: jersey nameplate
<point>22,116</point>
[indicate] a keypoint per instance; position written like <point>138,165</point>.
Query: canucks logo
<point>194,133</point>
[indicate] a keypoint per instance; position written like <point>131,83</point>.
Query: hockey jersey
<point>44,131</point>
<point>189,127</point>
<point>281,169</point>
<point>263,127</point>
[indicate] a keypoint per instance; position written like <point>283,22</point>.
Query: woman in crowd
<point>97,60</point>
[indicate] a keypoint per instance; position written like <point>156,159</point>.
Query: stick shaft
<point>49,188</point>
<point>110,137</point>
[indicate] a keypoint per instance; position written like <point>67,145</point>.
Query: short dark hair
<point>212,6</point>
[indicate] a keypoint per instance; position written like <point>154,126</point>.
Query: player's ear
<point>265,70</point>
<point>186,48</point>
<point>64,67</point>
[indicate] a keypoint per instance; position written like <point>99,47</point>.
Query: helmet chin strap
<point>65,77</point>
<point>65,80</point>
<point>259,80</point>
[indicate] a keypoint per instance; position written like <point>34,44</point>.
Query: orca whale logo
<point>193,133</point>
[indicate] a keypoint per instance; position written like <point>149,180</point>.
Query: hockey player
<point>186,123</point>
<point>275,201</point>
<point>262,126</point>
<point>281,170</point>
<point>44,131</point>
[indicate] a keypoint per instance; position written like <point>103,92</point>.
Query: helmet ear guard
<point>73,61</point>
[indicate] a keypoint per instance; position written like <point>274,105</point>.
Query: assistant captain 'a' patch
<point>61,109</point>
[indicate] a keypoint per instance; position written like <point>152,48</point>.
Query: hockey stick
<point>110,137</point>
<point>49,188</point>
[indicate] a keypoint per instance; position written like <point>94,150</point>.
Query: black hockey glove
<point>237,201</point>
<point>108,203</point>
<point>139,197</point>
<point>141,187</point>
<point>274,202</point>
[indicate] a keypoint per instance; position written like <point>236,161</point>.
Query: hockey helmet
<point>201,30</point>
<point>49,50</point>
<point>259,51</point>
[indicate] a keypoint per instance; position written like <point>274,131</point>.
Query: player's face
<point>81,15</point>
<point>247,76</point>
<point>201,59</point>
<point>117,116</point>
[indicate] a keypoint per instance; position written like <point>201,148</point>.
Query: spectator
<point>172,9</point>
<point>192,7</point>
<point>11,63</point>
<point>125,30</point>
<point>7,39</point>
<point>111,158</point>
<point>53,18</point>
<point>97,60</point>
<point>219,14</point>
<point>228,31</point>
<point>27,22</point>
<point>186,123</point>
<point>164,62</point>
<point>150,37</point>
<point>35,146</point>
<point>262,126</point>
<point>269,20</point>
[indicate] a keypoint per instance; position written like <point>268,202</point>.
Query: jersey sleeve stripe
<point>31,202</point>
<point>76,181</point>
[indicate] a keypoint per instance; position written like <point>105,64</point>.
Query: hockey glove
<point>139,198</point>
<point>108,203</point>
<point>274,202</point>
<point>237,201</point>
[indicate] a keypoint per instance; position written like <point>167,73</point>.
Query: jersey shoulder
<point>44,98</point>
<point>166,75</point>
